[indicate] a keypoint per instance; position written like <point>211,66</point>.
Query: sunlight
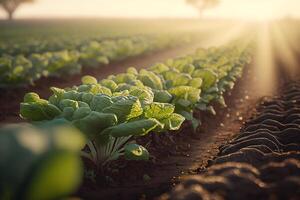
<point>229,35</point>
<point>227,9</point>
<point>264,70</point>
<point>285,51</point>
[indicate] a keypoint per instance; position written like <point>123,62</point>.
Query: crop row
<point>19,69</point>
<point>113,112</point>
<point>262,162</point>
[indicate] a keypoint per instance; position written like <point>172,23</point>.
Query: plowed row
<point>262,162</point>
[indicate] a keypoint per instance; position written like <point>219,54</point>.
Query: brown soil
<point>187,154</point>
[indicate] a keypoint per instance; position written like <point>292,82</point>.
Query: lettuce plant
<point>114,111</point>
<point>24,62</point>
<point>111,121</point>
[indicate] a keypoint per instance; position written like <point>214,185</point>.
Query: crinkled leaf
<point>98,89</point>
<point>132,70</point>
<point>162,96</point>
<point>68,103</point>
<point>124,78</point>
<point>72,95</point>
<point>159,110</point>
<point>123,86</point>
<point>31,97</point>
<point>100,102</point>
<point>150,79</point>
<point>209,77</point>
<point>174,78</point>
<point>89,80</point>
<point>58,92</point>
<point>109,84</point>
<point>173,122</point>
<point>125,108</point>
<point>159,68</point>
<point>87,97</point>
<point>186,92</point>
<point>84,88</point>
<point>195,82</point>
<point>145,96</point>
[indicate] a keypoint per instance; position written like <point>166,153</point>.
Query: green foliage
<point>136,152</point>
<point>19,67</point>
<point>89,80</point>
<point>114,111</point>
<point>134,128</point>
<point>40,162</point>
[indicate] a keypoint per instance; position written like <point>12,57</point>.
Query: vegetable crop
<point>114,111</point>
<point>18,67</point>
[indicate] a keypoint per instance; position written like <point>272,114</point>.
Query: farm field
<point>149,109</point>
<point>66,69</point>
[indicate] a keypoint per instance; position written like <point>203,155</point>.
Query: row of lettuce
<point>20,69</point>
<point>112,113</point>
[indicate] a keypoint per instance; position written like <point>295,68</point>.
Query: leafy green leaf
<point>186,92</point>
<point>145,96</point>
<point>31,97</point>
<point>209,77</point>
<point>44,184</point>
<point>132,70</point>
<point>159,68</point>
<point>150,79</point>
<point>138,128</point>
<point>100,102</point>
<point>162,96</point>
<point>89,80</point>
<point>136,152</point>
<point>189,116</point>
<point>109,84</point>
<point>95,122</point>
<point>173,122</point>
<point>81,113</point>
<point>159,110</point>
<point>68,103</point>
<point>38,111</point>
<point>195,82</point>
<point>68,113</point>
<point>125,108</point>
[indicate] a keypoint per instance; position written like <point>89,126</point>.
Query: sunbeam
<point>264,69</point>
<point>284,51</point>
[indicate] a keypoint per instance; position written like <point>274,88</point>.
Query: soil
<point>242,170</point>
<point>259,163</point>
<point>189,153</point>
<point>175,154</point>
<point>181,153</point>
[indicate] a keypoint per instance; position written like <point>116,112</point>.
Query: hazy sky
<point>246,9</point>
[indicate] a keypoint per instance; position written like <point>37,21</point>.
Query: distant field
<point>26,29</point>
<point>31,49</point>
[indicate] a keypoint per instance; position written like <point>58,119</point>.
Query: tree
<point>10,6</point>
<point>202,5</point>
